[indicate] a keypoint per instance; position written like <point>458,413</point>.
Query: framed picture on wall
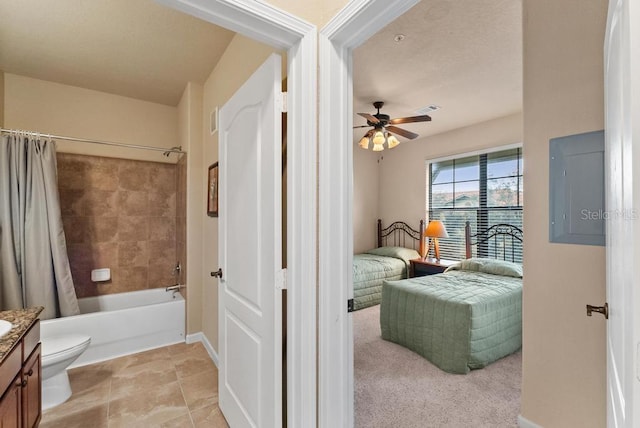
<point>212,191</point>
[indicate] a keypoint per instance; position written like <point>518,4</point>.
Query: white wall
<point>366,192</point>
<point>1,98</point>
<point>53,108</point>
<point>564,360</point>
<point>318,12</point>
<point>190,127</point>
<point>242,57</point>
<point>402,169</point>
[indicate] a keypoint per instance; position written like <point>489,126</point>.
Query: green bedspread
<point>458,320</point>
<point>369,271</point>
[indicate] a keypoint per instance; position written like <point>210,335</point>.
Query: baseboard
<point>200,337</point>
<point>526,423</point>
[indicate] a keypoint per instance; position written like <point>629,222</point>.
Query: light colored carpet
<point>395,387</point>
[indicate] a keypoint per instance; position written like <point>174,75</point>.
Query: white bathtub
<point>124,323</point>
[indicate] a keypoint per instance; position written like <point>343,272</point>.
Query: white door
<point>250,240</point>
<point>623,229</point>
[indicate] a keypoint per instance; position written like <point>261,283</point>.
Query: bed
<point>397,244</point>
<point>465,318</point>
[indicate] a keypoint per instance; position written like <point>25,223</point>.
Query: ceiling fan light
<point>392,141</point>
<point>378,147</point>
<point>364,142</point>
<point>378,139</point>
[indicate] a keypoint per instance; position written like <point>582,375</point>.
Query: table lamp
<point>435,230</point>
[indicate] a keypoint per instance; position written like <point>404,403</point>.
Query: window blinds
<point>484,190</point>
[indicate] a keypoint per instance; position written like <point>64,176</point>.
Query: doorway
<point>266,24</point>
<point>432,55</point>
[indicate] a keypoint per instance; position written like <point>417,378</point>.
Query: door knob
<point>604,310</point>
<point>217,274</point>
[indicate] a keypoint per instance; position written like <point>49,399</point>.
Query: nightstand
<point>422,267</point>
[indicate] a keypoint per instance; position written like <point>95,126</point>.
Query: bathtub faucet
<point>175,287</point>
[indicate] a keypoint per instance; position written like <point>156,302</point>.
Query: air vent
<point>428,109</point>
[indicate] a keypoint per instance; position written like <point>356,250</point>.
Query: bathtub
<point>124,323</point>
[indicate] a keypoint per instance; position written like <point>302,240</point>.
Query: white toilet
<point>58,352</point>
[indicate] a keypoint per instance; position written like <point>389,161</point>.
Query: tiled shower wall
<point>118,214</point>
<point>181,220</point>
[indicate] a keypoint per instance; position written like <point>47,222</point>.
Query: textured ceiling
<point>134,48</point>
<point>462,55</point>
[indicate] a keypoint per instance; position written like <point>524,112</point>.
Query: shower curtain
<point>34,266</point>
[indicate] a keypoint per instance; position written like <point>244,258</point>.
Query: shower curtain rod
<point>84,140</point>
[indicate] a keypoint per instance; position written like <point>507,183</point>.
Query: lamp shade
<point>366,140</point>
<point>379,137</point>
<point>392,141</point>
<point>436,229</point>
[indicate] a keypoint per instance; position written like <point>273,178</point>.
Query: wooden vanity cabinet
<point>20,378</point>
<point>32,390</point>
<point>10,405</point>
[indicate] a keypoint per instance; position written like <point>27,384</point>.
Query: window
<point>484,189</point>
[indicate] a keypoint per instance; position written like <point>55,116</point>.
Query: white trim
<point>255,19</point>
<point>301,233</point>
<point>213,121</point>
<point>269,25</point>
<point>200,337</point>
<point>526,423</point>
<point>476,153</point>
<point>354,24</point>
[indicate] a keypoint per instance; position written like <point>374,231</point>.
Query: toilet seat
<point>57,348</point>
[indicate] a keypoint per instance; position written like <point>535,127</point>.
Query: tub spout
<point>175,287</point>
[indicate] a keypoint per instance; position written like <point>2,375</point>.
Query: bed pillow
<point>492,266</point>
<point>401,253</point>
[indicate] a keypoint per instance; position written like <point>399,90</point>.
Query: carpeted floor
<point>395,387</point>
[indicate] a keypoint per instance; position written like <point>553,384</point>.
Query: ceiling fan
<point>383,127</point>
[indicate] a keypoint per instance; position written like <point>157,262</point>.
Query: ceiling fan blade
<point>403,132</point>
<point>362,126</point>
<point>369,117</point>
<point>411,119</point>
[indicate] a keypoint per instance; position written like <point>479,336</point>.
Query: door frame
<point>267,24</point>
<point>352,26</point>
<point>623,388</point>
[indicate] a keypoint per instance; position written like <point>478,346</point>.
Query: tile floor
<point>174,386</point>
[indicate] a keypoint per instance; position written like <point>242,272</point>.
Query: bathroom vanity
<point>21,369</point>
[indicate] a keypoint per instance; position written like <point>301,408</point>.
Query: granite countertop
<point>21,320</point>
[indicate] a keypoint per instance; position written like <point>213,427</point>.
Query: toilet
<point>58,352</point>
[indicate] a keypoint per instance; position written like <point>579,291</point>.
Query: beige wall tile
<point>133,229</point>
<point>76,228</point>
<point>134,176</point>
<point>103,174</point>
<point>133,203</point>
<point>162,204</point>
<point>160,277</point>
<point>132,278</point>
<point>133,254</point>
<point>101,203</point>
<point>101,229</point>
<point>72,171</point>
<point>162,177</point>
<point>72,202</point>
<point>162,228</point>
<point>120,214</point>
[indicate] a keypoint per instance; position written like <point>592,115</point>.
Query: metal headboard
<point>400,234</point>
<point>506,238</point>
